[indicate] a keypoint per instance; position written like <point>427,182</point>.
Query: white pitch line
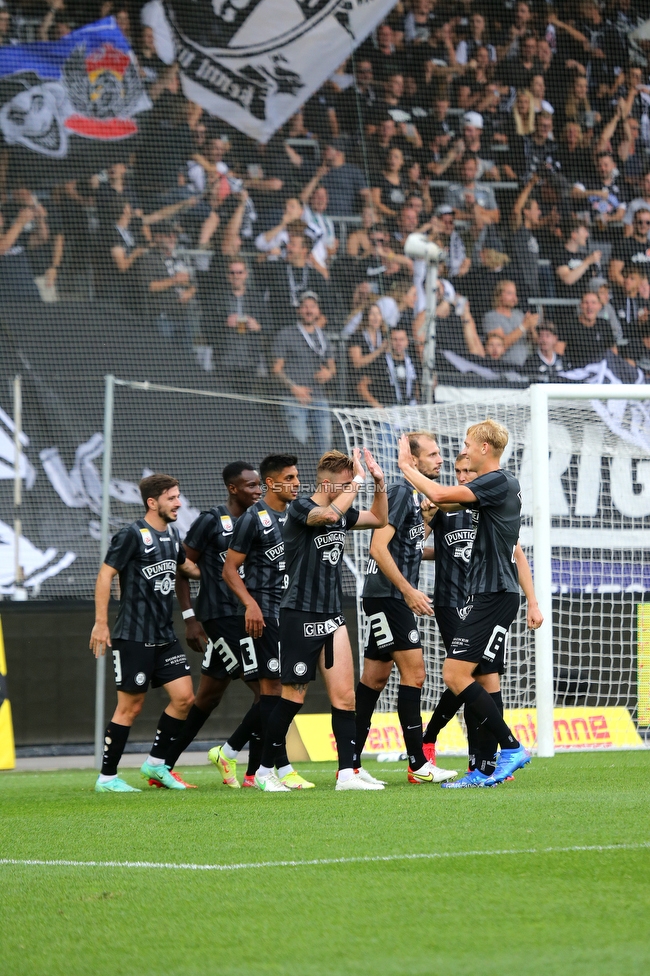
<point>319,862</point>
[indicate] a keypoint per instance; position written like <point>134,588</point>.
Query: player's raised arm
<point>100,637</point>
<point>344,488</point>
<point>459,495</point>
<point>534,618</point>
<point>377,516</point>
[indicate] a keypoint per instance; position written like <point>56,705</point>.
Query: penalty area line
<point>323,861</point>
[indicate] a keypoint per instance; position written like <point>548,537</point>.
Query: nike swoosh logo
<point>150,549</point>
<point>266,531</point>
<point>224,534</point>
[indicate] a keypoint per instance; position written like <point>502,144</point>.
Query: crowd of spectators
<point>515,134</point>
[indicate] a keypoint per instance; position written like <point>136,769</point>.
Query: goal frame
<point>540,397</point>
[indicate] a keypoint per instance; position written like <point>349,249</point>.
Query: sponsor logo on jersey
<point>159,568</point>
<point>226,523</point>
<point>416,531</point>
<point>329,539</point>
<point>146,537</point>
<point>275,552</point>
<point>460,535</point>
<point>321,628</point>
<point>265,518</point>
<point>164,585</point>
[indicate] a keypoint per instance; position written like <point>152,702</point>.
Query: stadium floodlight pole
<point>418,247</point>
<point>100,670</point>
<point>20,593</point>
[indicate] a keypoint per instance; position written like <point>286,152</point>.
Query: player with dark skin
<point>243,492</point>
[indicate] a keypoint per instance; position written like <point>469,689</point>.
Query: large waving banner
<point>254,62</point>
<point>86,85</point>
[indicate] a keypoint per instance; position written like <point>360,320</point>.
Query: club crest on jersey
<point>226,523</point>
<point>164,585</point>
<point>265,518</point>
<point>146,537</point>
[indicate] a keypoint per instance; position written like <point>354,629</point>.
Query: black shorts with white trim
<point>267,649</point>
<point>482,637</point>
<point>392,627</point>
<point>136,665</point>
<point>448,620</point>
<point>303,635</point>
<point>230,652</point>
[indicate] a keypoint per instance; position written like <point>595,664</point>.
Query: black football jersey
<point>258,534</point>
<point>146,561</point>
<point>453,540</point>
<point>405,515</point>
<point>211,534</point>
<point>492,567</point>
<point>313,556</point>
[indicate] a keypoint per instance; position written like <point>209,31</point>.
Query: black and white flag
<point>253,63</point>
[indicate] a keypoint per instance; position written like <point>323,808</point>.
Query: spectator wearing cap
<point>170,295</point>
<point>305,366</point>
<point>458,263</point>
<point>472,132</point>
<point>472,200</point>
<point>513,325</point>
<point>545,363</point>
<point>345,183</point>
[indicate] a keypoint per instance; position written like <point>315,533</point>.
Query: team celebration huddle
<point>269,611</point>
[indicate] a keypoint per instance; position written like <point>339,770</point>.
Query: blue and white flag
<point>253,63</point>
<point>85,85</point>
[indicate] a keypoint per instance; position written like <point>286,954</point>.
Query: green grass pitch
<point>563,891</point>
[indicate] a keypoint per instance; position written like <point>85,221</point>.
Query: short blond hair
<point>490,432</point>
<point>333,462</point>
<point>414,440</point>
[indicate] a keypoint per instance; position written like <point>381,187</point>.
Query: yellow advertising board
<point>7,752</point>
<point>576,729</point>
<point>643,662</point>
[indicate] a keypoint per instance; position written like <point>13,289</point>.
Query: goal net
<point>598,495</point>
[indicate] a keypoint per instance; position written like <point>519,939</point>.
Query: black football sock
<point>249,724</point>
<point>486,743</point>
<point>168,728</point>
<point>194,722</point>
<point>471,723</point>
<point>444,712</point>
<point>366,702</point>
<point>114,742</point>
<point>344,729</point>
<point>277,727</point>
<point>267,705</point>
<point>477,698</point>
<point>254,753</point>
<point>408,709</point>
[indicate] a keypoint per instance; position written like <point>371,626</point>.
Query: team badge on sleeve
<point>265,518</point>
<point>226,523</point>
<point>146,537</point>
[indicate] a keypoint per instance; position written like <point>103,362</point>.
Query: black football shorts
<point>230,652</point>
<point>303,635</point>
<point>136,665</point>
<point>392,627</point>
<point>482,636</point>
<point>448,620</point>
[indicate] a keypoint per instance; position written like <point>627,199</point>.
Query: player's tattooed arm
<point>253,619</point>
<point>445,497</point>
<point>534,618</point>
<point>100,637</point>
